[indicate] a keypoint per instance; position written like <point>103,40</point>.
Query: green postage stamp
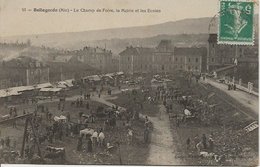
<point>236,22</point>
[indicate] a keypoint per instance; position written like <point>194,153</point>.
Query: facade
<point>190,59</point>
<point>136,60</point>
<point>23,71</point>
<point>225,55</point>
<point>98,58</point>
<point>163,59</point>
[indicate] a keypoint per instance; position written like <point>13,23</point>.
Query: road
<point>246,99</point>
<point>161,147</point>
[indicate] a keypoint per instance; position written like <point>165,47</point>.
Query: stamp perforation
<point>235,41</point>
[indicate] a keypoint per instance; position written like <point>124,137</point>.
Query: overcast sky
<point>15,22</point>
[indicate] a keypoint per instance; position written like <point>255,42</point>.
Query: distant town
<point>52,65</point>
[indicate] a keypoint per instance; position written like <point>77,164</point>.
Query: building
<point>163,57</point>
<point>23,71</point>
<point>190,59</point>
<point>222,55</point>
<point>136,60</point>
<point>98,58</point>
<point>238,61</point>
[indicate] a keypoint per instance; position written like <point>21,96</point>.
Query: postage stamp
<point>236,22</point>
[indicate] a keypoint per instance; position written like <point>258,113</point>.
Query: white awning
<point>50,89</point>
<point>44,85</point>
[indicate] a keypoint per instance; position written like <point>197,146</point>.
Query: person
<point>130,136</point>
<point>211,143</point>
<point>188,143</point>
<point>235,87</point>
<point>87,105</point>
<point>27,151</point>
<point>7,142</point>
<point>204,141</point>
<point>81,102</point>
<point>196,140</point>
<point>79,145</point>
<point>89,145</point>
<point>199,146</point>
<point>94,138</point>
<point>14,144</point>
<point>60,134</point>
<point>59,105</point>
<point>101,138</point>
<point>68,117</point>
<point>146,122</point>
<point>146,135</point>
<point>2,143</point>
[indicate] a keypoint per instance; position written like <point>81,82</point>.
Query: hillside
<point>68,40</point>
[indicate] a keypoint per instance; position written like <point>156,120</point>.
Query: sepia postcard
<point>129,82</point>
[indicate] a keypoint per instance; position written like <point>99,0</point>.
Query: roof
<point>213,38</point>
<point>93,78</point>
<point>14,91</point>
<point>94,50</point>
<point>165,46</point>
<point>6,93</point>
<point>137,51</point>
<point>225,68</point>
<point>61,58</point>
<point>50,89</point>
<point>190,51</point>
<point>120,73</point>
<point>43,85</point>
<point>24,62</point>
<point>65,84</point>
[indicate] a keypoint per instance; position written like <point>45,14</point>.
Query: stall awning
<point>50,89</point>
<point>43,85</point>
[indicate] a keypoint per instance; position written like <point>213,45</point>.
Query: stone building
<point>98,58</point>
<point>220,55</point>
<point>190,59</point>
<point>136,60</point>
<point>23,71</point>
<point>163,57</point>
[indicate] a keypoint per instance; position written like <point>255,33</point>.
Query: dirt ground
<point>227,134</point>
<point>134,153</point>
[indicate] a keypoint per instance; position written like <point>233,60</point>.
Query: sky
<point>15,22</point>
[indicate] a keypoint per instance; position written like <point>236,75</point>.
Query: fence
<point>249,87</point>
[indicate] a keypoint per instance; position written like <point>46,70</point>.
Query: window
<point>176,59</point>
<point>128,58</point>
<point>163,67</point>
<point>212,59</point>
<point>189,59</point>
<point>213,45</point>
<point>196,68</point>
<point>197,60</point>
<point>188,67</point>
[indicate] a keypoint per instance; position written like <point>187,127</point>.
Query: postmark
<point>236,22</point>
